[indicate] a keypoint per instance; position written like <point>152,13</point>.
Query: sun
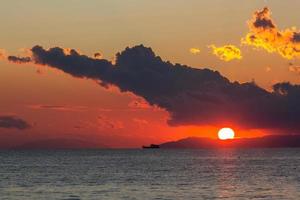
<point>226,133</point>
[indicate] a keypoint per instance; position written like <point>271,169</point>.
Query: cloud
<point>195,51</point>
<point>98,55</point>
<point>227,52</point>
<point>191,96</point>
<point>265,34</point>
<point>295,69</point>
<point>58,107</point>
<point>16,59</point>
<point>13,122</point>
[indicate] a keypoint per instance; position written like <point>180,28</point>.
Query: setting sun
<point>225,134</point>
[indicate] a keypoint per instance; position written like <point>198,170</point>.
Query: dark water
<point>151,174</point>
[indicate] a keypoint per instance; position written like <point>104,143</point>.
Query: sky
<point>42,98</point>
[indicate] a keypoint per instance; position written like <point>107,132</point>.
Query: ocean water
<point>150,174</point>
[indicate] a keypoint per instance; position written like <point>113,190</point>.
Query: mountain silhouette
<point>274,141</point>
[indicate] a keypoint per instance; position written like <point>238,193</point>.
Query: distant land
<point>278,141</point>
<point>274,141</point>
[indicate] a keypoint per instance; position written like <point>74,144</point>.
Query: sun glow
<point>226,133</point>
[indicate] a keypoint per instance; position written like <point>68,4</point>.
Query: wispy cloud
<point>195,51</point>
<point>58,107</point>
<point>295,69</point>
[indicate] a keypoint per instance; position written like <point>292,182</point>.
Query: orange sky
<point>57,105</point>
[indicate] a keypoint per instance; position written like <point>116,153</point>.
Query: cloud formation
<point>16,59</point>
<point>227,52</point>
<point>12,122</point>
<point>295,69</point>
<point>265,34</point>
<point>195,51</point>
<point>191,96</point>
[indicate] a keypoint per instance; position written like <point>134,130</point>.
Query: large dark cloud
<point>12,122</point>
<point>191,96</point>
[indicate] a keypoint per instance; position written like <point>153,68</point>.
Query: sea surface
<point>150,174</point>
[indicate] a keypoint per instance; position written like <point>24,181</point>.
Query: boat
<point>152,146</point>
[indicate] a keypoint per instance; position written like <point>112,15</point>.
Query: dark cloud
<point>264,23</point>
<point>11,122</point>
<point>16,59</point>
<point>263,19</point>
<point>97,55</point>
<point>296,37</point>
<point>191,96</point>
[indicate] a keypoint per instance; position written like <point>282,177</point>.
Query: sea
<point>150,174</point>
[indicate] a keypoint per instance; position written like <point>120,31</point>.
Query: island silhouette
<point>272,141</point>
